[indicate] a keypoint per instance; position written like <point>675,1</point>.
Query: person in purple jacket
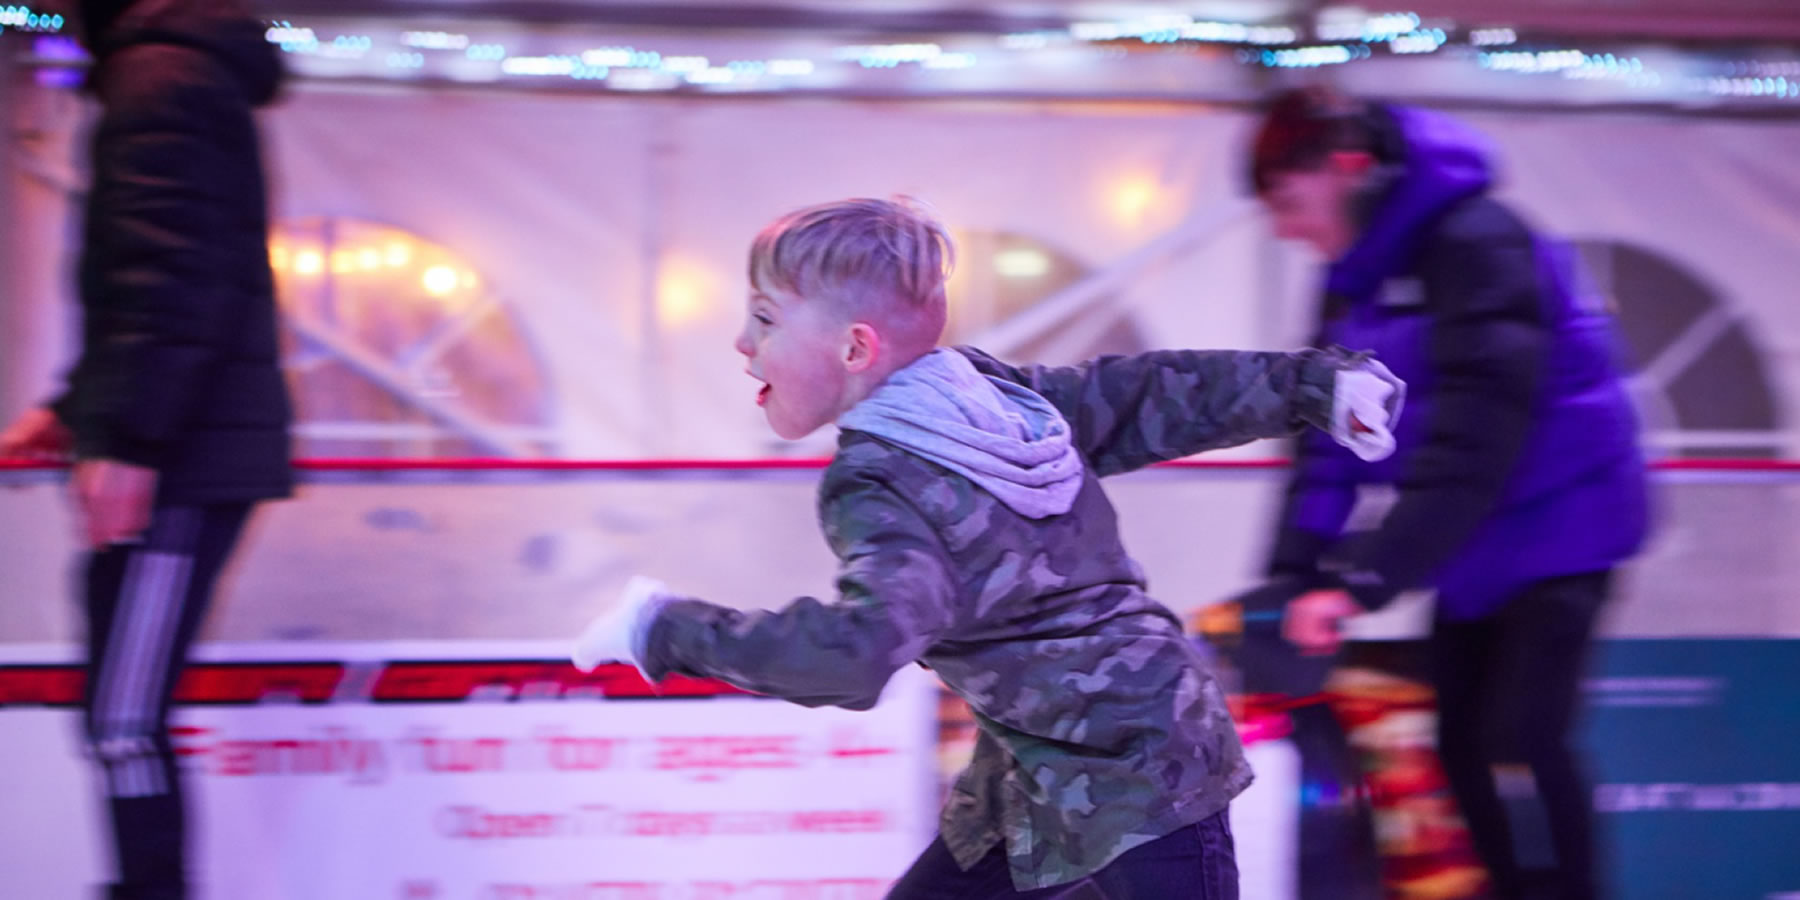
<point>1518,483</point>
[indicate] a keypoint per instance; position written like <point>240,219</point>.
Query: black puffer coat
<point>180,367</point>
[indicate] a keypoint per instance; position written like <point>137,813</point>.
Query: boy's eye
<point>760,317</point>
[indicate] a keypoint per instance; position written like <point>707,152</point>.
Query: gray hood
<point>1006,439</point>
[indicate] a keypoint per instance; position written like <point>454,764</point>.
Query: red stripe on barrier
<point>755,465</point>
<point>310,682</point>
<point>1726,465</point>
<point>455,680</point>
<point>41,685</point>
<point>554,465</point>
<point>661,465</point>
<point>437,681</point>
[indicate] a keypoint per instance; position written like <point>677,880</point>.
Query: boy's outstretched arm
<point>896,597</point>
<point>1130,411</point>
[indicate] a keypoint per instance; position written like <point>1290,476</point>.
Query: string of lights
<point>24,18</point>
<point>1141,55</point>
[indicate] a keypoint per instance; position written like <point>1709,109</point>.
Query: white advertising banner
<point>515,791</point>
<point>486,770</point>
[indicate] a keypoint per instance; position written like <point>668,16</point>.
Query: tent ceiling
<point>1706,20</point>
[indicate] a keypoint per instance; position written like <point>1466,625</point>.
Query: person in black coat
<point>175,413</point>
<point>1518,486</point>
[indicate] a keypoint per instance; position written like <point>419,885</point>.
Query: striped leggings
<point>145,602</point>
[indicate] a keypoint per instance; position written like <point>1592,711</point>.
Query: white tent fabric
<point>574,208</point>
<point>583,213</point>
<point>615,231</point>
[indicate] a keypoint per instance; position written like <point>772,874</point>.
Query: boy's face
<point>1313,205</point>
<point>798,349</point>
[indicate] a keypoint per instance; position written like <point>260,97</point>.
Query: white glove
<point>619,634</point>
<point>1365,404</point>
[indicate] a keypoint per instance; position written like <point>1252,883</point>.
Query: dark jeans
<point>1198,862</point>
<point>144,605</point>
<point>1507,690</point>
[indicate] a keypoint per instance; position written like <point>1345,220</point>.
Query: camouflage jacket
<point>1100,726</point>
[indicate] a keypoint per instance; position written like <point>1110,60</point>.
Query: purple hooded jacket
<point>1517,458</point>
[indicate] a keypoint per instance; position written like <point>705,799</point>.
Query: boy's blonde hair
<point>880,261</point>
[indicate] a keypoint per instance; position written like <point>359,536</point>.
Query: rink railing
<point>56,683</point>
<point>337,469</point>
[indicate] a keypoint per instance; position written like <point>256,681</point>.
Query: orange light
<point>439,281</point>
<point>1022,262</point>
<point>685,289</point>
<point>309,262</point>
<point>1132,197</point>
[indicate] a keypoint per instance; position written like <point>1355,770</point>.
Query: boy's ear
<point>862,348</point>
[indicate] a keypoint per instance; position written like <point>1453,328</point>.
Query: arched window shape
<point>1700,382</point>
<point>1001,274</point>
<point>396,347</point>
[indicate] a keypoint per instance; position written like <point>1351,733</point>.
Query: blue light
<point>1324,791</point>
<point>60,78</point>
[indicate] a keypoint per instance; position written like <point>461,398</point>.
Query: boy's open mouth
<point>762,396</point>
